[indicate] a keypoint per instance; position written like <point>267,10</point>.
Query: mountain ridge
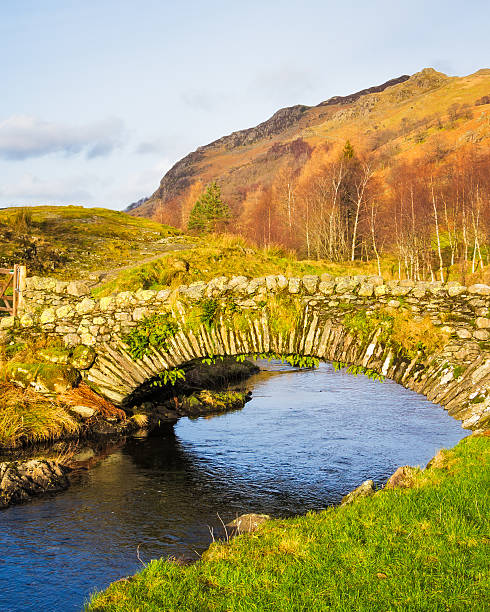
<point>248,158</point>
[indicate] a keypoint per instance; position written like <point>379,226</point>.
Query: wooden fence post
<point>20,285</point>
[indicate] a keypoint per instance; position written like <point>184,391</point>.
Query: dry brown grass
<point>83,395</point>
<point>28,417</point>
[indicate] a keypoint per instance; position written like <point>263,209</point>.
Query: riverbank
<point>41,437</point>
<point>417,548</point>
<point>29,418</point>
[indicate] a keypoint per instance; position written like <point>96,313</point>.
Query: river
<point>306,438</point>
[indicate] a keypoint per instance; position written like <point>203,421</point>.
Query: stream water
<point>305,439</point>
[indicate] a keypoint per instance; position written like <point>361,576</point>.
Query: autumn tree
<point>192,196</point>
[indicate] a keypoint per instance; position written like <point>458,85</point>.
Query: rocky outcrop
<point>20,481</point>
<point>47,378</point>
<point>355,96</point>
<point>247,523</point>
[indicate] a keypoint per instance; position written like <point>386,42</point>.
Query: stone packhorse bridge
<point>456,375</point>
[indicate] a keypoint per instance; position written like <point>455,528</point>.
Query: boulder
<point>380,290</point>
<point>479,289</point>
<point>140,313</point>
<point>145,295</point>
<point>71,339</point>
<point>402,478</point>
<point>47,316</point>
<point>481,334</point>
<point>326,286</point>
<point>310,282</point>
<point>180,265</point>
<point>282,282</point>
<point>366,489</point>
<point>26,320</point>
<point>77,289</point>
<point>294,285</point>
<point>54,378</point>
<point>366,290</point>
<point>246,523</point>
<point>107,303</point>
<point>455,290</point>
<point>20,481</point>
<point>345,284</point>
<point>238,284</point>
<point>54,355</point>
<point>254,285</point>
<point>64,312</point>
<point>85,306</point>
<point>482,323</point>
<point>83,411</point>
<point>271,283</point>
<point>82,357</point>
<point>196,290</point>
<point>22,374</point>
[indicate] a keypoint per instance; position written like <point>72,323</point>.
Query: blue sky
<point>99,98</point>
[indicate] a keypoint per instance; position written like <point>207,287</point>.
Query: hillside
<point>69,241</point>
<point>405,118</point>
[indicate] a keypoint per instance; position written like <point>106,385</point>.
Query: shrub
<point>153,331</point>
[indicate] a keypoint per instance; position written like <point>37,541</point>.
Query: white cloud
<point>139,184</point>
<point>25,136</point>
<point>30,189</point>
<point>283,82</point>
<point>149,147</point>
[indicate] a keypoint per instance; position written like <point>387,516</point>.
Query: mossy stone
<point>54,355</point>
<point>83,357</point>
<point>22,374</point>
<point>55,378</point>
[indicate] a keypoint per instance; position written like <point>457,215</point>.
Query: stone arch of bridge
<point>118,376</point>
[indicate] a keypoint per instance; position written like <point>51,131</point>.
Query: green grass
<point>418,549</point>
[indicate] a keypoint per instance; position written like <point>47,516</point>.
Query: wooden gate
<point>12,283</point>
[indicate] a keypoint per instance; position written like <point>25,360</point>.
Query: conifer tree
<point>348,151</point>
<point>209,212</point>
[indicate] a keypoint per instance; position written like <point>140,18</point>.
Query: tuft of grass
<point>409,335</point>
<point>284,312</point>
<point>417,334</point>
<point>28,417</point>
<point>423,548</point>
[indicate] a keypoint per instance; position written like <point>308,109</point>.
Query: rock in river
<point>22,480</point>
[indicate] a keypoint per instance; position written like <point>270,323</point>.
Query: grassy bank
<point>227,255</point>
<point>423,548</point>
<point>28,417</point>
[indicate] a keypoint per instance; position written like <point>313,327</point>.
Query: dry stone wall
<point>68,310</point>
<point>457,377</point>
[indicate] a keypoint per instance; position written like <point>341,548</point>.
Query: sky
<point>99,98</point>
